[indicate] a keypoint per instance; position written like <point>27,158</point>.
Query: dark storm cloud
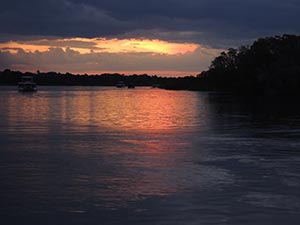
<point>57,18</point>
<point>204,21</point>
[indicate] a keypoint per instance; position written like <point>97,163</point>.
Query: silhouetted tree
<point>270,66</point>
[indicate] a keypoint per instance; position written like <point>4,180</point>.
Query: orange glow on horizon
<point>100,45</point>
<point>164,73</point>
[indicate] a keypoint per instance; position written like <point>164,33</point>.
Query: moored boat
<point>131,86</point>
<point>27,85</point>
<point>120,84</point>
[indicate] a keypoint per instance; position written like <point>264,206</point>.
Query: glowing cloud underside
<point>101,45</point>
<point>101,55</point>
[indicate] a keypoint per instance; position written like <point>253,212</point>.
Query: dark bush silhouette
<point>271,66</point>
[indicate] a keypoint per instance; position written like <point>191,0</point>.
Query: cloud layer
<point>204,21</point>
<point>172,59</point>
<point>70,31</point>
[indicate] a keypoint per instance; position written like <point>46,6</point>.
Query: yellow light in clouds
<point>100,45</point>
<point>153,46</point>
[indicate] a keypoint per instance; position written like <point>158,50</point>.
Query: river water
<point>95,155</point>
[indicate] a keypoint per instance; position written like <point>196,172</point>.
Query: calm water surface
<point>94,155</point>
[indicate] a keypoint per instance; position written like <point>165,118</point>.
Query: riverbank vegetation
<point>270,66</point>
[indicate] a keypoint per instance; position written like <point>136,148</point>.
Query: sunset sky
<point>163,37</point>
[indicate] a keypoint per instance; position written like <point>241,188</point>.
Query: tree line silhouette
<point>270,66</point>
<point>8,77</point>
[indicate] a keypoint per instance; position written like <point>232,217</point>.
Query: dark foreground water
<point>91,155</point>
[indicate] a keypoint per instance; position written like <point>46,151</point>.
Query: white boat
<point>27,84</point>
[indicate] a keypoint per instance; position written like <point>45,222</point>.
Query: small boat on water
<point>120,84</point>
<point>131,86</point>
<point>155,86</point>
<point>27,85</point>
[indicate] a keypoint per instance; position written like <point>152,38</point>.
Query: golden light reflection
<point>101,45</point>
<point>136,139</point>
<point>142,110</point>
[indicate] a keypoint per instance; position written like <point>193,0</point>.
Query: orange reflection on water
<point>131,142</point>
<point>148,143</point>
<point>27,113</point>
<point>141,109</point>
